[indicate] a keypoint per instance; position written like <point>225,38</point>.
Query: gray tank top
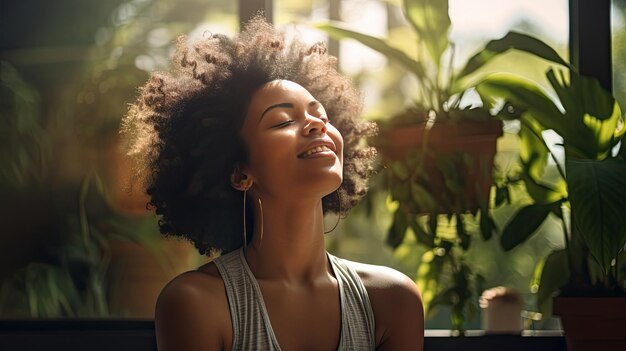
<point>251,325</point>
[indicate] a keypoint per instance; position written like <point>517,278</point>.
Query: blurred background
<point>76,241</point>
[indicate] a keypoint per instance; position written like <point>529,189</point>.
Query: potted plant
<point>589,196</point>
<point>439,153</point>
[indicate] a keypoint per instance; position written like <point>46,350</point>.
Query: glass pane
<point>387,90</point>
<point>75,243</point>
<point>618,37</point>
<point>473,24</point>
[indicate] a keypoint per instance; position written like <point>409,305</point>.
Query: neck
<point>292,247</point>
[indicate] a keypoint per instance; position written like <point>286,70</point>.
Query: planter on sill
<point>593,324</point>
<point>469,144</point>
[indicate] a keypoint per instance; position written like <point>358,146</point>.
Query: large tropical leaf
<point>524,224</point>
<point>398,228</point>
<point>534,155</point>
<point>543,193</point>
<point>431,21</point>
<point>525,95</point>
<point>338,31</point>
<point>512,40</point>
<point>533,150</point>
<point>597,192</point>
<point>592,113</point>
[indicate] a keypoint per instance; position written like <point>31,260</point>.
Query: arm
<point>192,314</point>
<point>397,306</point>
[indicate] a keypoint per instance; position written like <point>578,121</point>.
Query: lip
<point>321,142</point>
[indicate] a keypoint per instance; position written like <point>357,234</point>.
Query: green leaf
<point>602,115</point>
<point>592,113</point>
<point>431,21</point>
<point>533,150</point>
<point>429,272</point>
<point>543,194</point>
<point>338,31</point>
<point>421,235</point>
<point>464,239</point>
<point>502,195</point>
<point>606,132</point>
<point>398,168</point>
<point>596,100</point>
<point>597,191</point>
<point>433,223</point>
<point>487,226</point>
<point>422,198</point>
<point>524,224</point>
<point>541,112</point>
<point>512,40</point>
<point>554,275</point>
<point>579,135</point>
<point>534,154</point>
<point>399,191</point>
<point>566,95</point>
<point>398,228</point>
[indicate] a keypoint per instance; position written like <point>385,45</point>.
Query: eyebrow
<point>282,104</point>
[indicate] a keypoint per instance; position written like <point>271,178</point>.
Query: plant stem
<point>570,262</point>
<point>84,223</point>
<point>618,283</point>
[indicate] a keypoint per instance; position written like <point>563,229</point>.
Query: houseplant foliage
<point>591,182</point>
<point>73,282</point>
<point>439,174</point>
<point>57,180</point>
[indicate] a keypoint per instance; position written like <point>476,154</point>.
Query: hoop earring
<point>338,214</point>
<point>245,234</point>
<point>261,208</point>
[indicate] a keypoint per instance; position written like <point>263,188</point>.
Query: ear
<point>240,180</point>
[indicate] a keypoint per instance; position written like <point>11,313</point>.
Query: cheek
<point>269,155</point>
<point>336,136</point>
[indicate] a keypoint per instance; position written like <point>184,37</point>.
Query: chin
<point>321,181</point>
<point>334,185</point>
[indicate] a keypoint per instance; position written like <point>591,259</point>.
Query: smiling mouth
<point>314,151</point>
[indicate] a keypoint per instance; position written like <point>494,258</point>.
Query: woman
<point>243,147</point>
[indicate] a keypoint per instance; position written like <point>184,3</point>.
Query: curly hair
<point>183,129</point>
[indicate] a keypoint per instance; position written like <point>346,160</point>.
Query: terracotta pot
<point>469,144</point>
<point>593,324</point>
<point>501,311</point>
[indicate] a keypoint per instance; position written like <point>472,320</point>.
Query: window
<point>618,40</point>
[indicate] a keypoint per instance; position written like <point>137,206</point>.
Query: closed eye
<point>284,124</point>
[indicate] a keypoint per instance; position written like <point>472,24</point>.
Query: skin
<point>289,258</point>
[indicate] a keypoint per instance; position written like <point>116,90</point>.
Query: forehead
<point>278,91</point>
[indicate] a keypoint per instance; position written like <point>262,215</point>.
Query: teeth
<point>315,150</point>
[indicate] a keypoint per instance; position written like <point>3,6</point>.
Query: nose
<point>315,125</point>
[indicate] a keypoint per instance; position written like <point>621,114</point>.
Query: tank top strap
<point>251,326</point>
<point>359,328</point>
<point>245,302</point>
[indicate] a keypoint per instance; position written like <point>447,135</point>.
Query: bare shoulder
<point>385,281</point>
<point>192,312</point>
<point>397,306</point>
